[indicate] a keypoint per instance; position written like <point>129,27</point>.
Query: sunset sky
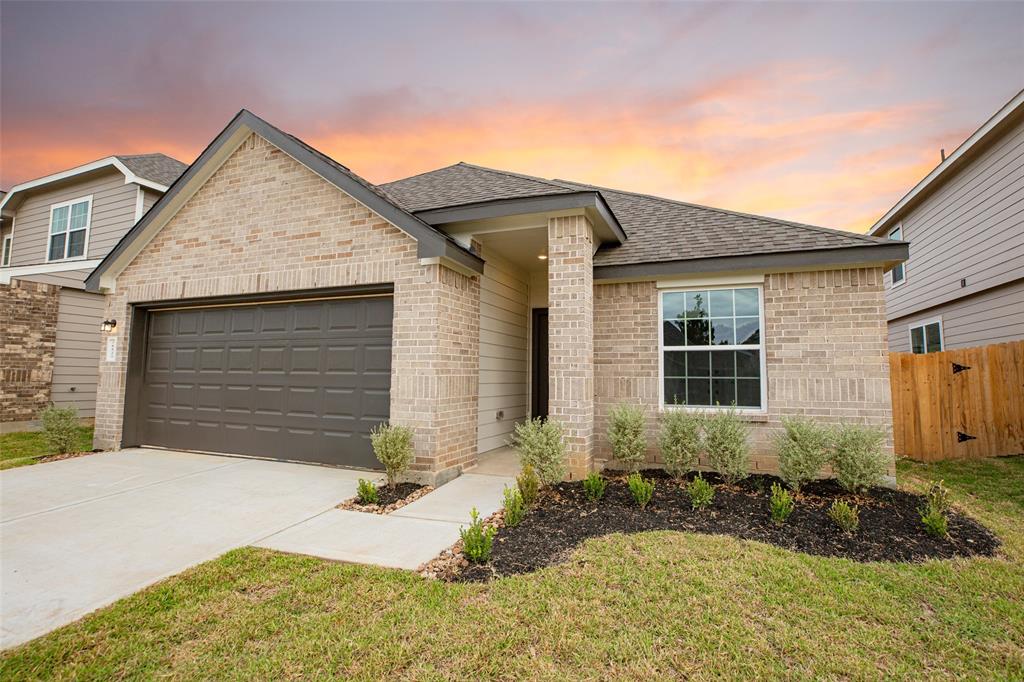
<point>823,113</point>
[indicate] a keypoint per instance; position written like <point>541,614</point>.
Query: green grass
<point>21,449</point>
<point>653,605</point>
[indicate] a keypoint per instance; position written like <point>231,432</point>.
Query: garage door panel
<point>305,359</point>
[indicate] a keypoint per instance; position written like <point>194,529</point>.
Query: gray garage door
<point>302,381</point>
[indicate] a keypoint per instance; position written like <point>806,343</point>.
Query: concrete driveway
<point>81,533</point>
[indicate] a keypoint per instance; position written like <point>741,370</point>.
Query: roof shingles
<point>158,168</point>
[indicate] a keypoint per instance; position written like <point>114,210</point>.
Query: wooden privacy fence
<point>959,404</point>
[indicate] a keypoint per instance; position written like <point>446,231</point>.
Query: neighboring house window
<point>69,229</point>
<point>898,274</point>
<point>8,245</point>
<point>713,348</point>
<point>926,337</point>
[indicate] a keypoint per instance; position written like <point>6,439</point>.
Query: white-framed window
<point>8,245</point>
<point>926,337</point>
<point>899,275</point>
<point>69,229</point>
<point>711,342</point>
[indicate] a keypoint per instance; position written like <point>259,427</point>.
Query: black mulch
<point>387,495</point>
<point>890,525</point>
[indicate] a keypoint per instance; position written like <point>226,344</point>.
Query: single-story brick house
<point>274,304</point>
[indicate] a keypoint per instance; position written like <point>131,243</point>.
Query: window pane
<point>748,331</point>
<point>917,339</point>
<point>675,363</point>
<point>698,392</point>
<point>748,363</point>
<point>7,251</point>
<point>722,331</point>
<point>79,214</point>
<point>672,306</point>
<point>698,363</point>
<point>721,303</point>
<point>933,334</point>
<point>723,363</point>
<point>59,220</point>
<point>723,392</point>
<point>748,393</point>
<point>897,273</point>
<point>675,391</point>
<point>76,243</point>
<point>696,304</point>
<point>57,246</point>
<point>746,302</point>
<point>697,333</point>
<point>674,335</point>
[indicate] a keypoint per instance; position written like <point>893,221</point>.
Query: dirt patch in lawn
<point>389,499</point>
<point>890,524</point>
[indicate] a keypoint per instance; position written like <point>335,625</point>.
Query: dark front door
<point>301,380</point>
<point>539,402</point>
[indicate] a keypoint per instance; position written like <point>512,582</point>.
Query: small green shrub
<point>594,485</point>
<point>727,444</point>
<point>701,492</point>
<point>679,441</point>
<point>642,488</point>
<point>857,457</point>
<point>933,511</point>
<point>804,447</point>
<point>937,498</point>
<point>477,539</point>
<point>392,444</point>
<point>845,515</point>
<point>541,444</point>
<point>514,507</point>
<point>60,428</point>
<point>780,503</point>
<point>529,485</point>
<point>366,493</point>
<point>627,433</point>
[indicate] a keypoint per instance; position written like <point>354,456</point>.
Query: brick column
<point>571,336</point>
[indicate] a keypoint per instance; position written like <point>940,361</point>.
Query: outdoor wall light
<point>542,256</point>
<point>108,325</point>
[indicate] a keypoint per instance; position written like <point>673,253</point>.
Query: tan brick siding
<point>825,345</point>
<point>265,223</point>
<point>28,338</point>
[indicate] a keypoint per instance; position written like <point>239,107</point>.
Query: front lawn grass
<point>28,447</point>
<point>647,606</point>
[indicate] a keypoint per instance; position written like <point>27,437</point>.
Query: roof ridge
<point>512,174</point>
<point>779,221</point>
<point>416,175</point>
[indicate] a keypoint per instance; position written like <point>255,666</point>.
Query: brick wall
<point>825,345</point>
<point>28,337</point>
<point>265,223</point>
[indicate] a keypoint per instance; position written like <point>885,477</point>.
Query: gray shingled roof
<point>158,168</point>
<point>658,229</point>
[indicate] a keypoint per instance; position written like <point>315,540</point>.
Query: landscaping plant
<point>780,503</point>
<point>701,492</point>
<point>933,511</point>
<point>727,444</point>
<point>627,433</point>
<point>392,444</point>
<point>477,539</point>
<point>804,447</point>
<point>541,444</point>
<point>60,428</point>
<point>857,457</point>
<point>366,493</point>
<point>845,515</point>
<point>529,485</point>
<point>514,507</point>
<point>642,488</point>
<point>594,485</point>
<point>679,441</point>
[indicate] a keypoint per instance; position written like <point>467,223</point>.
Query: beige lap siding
<point>265,223</point>
<point>825,345</point>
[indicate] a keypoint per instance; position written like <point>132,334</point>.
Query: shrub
<point>594,485</point>
<point>529,485</point>
<point>477,539</point>
<point>366,493</point>
<point>701,492</point>
<point>780,503</point>
<point>642,488</point>
<point>726,441</point>
<point>627,433</point>
<point>541,445</point>
<point>937,498</point>
<point>804,447</point>
<point>679,441</point>
<point>514,507</point>
<point>845,515</point>
<point>857,458</point>
<point>60,428</point>
<point>933,511</point>
<point>392,444</point>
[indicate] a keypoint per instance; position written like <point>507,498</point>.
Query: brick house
<point>274,304</point>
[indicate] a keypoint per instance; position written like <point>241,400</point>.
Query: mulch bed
<point>890,525</point>
<point>389,499</point>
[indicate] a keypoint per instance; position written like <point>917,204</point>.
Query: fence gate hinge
<point>961,437</point>
<point>957,368</point>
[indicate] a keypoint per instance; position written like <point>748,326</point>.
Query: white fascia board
<point>43,268</point>
<point>129,177</point>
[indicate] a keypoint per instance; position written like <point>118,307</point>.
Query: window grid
<point>69,229</point>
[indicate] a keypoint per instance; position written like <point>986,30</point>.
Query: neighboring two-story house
<point>963,284</point>
<point>53,232</point>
